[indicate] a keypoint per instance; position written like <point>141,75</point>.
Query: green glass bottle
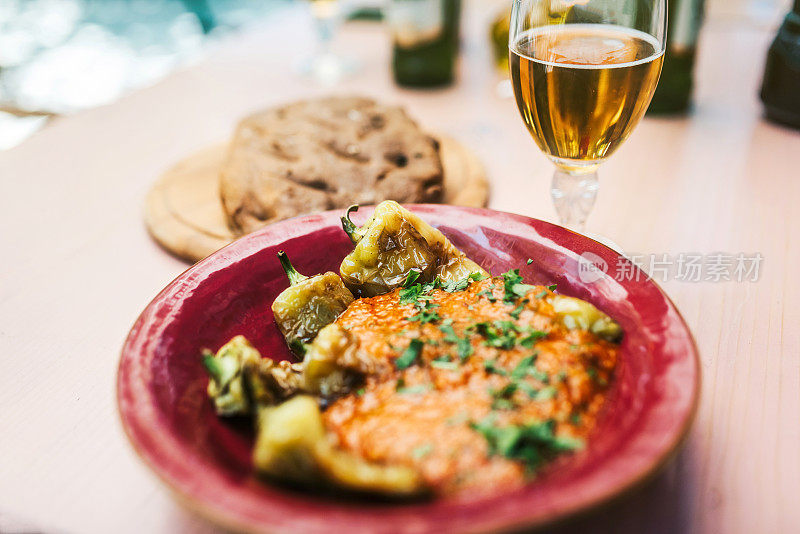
<point>780,90</point>
<point>425,36</point>
<point>674,91</point>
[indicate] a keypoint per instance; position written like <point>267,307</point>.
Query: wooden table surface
<point>78,266</point>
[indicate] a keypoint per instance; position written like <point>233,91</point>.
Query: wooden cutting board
<point>184,214</point>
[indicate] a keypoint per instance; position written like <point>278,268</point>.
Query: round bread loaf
<point>324,154</point>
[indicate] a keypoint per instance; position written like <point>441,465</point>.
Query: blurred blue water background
<point>60,56</point>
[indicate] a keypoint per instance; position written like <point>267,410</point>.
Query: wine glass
<point>324,65</point>
<point>583,73</point>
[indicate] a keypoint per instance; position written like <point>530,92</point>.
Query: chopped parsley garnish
<point>529,261</point>
<point>515,313</point>
<point>488,294</point>
<point>411,278</point>
<point>552,287</point>
<point>426,315</point>
<point>462,284</point>
<point>531,337</point>
<point>540,295</point>
<point>464,348</point>
<point>448,331</point>
<point>414,390</point>
<point>544,394</point>
<point>503,398</point>
<point>421,451</point>
<point>524,367</point>
<point>498,334</point>
<point>409,355</point>
<point>463,344</point>
<point>492,368</point>
<point>531,444</point>
<point>439,364</point>
<point>409,295</point>
<point>360,391</point>
<point>514,286</point>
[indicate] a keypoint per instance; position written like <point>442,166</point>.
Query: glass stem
<point>325,28</point>
<point>574,193</point>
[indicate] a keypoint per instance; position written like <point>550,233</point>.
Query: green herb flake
<point>540,295</point>
<point>552,287</point>
<point>599,380</point>
<point>488,294</point>
<point>421,451</point>
<point>360,392</point>
<point>459,419</point>
<point>514,286</point>
<point>414,390</point>
<point>524,367</point>
<point>503,398</point>
<point>463,344</point>
<point>411,278</point>
<point>409,295</point>
<point>449,366</point>
<point>492,368</point>
<point>457,285</point>
<point>464,348</point>
<point>410,355</point>
<point>515,313</point>
<point>529,261</point>
<point>531,337</point>
<point>498,334</point>
<point>425,316</point>
<point>532,444</point>
<point>544,394</point>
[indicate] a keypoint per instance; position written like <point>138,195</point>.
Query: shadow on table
<point>662,506</point>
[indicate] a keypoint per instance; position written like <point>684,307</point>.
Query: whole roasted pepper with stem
<point>292,444</point>
<point>308,304</point>
<point>240,380</point>
<point>392,243</point>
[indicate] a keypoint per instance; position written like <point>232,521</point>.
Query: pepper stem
<point>293,276</point>
<point>348,225</point>
<point>212,366</point>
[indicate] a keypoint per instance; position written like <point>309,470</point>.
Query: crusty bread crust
<point>322,154</point>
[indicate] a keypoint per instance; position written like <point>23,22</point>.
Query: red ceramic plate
<point>206,460</point>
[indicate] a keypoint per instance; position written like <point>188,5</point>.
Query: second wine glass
<point>583,73</point>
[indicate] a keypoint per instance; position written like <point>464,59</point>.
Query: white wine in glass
<point>583,75</point>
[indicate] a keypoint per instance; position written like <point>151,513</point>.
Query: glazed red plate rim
<point>219,490</point>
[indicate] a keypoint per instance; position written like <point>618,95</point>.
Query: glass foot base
<point>326,69</point>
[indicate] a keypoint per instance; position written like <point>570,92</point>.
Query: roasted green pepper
<point>292,445</point>
<point>241,380</point>
<point>308,304</point>
<point>227,387</point>
<point>334,363</point>
<point>394,242</point>
<point>270,382</point>
<point>577,313</point>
